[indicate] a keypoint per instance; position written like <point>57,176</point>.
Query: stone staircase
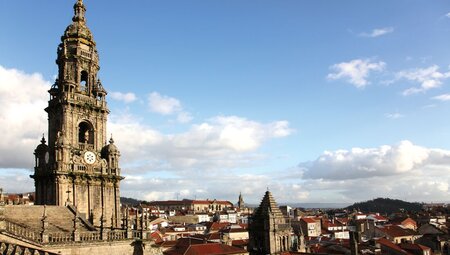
<point>60,218</point>
<point>15,249</point>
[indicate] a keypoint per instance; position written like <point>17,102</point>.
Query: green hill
<point>385,206</point>
<point>129,201</point>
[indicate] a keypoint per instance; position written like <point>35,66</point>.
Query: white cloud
<point>125,97</point>
<point>24,97</point>
<point>356,71</point>
<point>166,105</point>
<point>218,143</point>
<point>443,97</point>
<point>429,78</point>
<point>378,32</point>
<point>163,104</point>
<point>184,117</point>
<point>394,115</point>
<point>447,15</point>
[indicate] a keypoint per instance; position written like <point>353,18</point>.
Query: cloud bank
<point>24,97</point>
<point>404,170</point>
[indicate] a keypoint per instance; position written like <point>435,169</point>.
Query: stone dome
<point>109,149</point>
<point>41,148</point>
<point>78,28</point>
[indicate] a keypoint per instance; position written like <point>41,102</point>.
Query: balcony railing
<point>85,146</point>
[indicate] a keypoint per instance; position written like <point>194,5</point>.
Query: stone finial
<point>79,11</point>
<point>44,230</point>
<point>75,220</point>
<point>128,223</point>
<point>103,231</point>
<point>76,232</point>
<point>2,217</point>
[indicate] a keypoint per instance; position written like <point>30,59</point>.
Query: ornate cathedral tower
<point>77,167</point>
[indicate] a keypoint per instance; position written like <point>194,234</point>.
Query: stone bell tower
<point>77,167</point>
<point>269,231</point>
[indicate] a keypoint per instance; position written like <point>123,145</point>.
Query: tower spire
<point>79,11</point>
<point>78,90</point>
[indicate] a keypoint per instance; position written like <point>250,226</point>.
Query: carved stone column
<point>76,232</point>
<point>2,217</point>
<point>103,230</point>
<point>44,230</point>
<point>128,224</point>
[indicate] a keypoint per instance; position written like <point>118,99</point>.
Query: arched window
<point>85,133</point>
<point>84,81</point>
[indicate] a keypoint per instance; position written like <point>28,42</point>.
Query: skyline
<point>317,101</point>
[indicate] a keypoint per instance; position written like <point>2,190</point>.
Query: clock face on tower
<point>89,157</point>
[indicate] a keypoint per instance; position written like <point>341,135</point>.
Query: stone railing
<point>79,168</point>
<point>77,98</point>
<point>67,237</point>
<point>86,54</point>
<point>24,232</point>
<point>90,236</point>
<point>117,235</point>
<point>137,234</point>
<point>86,146</point>
<point>59,237</point>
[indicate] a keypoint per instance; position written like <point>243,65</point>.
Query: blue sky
<point>321,101</point>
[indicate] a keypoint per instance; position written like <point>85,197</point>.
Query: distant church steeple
<point>76,162</point>
<point>240,202</point>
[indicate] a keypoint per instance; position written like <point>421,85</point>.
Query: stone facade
<point>77,166</point>
<point>269,231</point>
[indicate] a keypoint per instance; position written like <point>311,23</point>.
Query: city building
<point>193,206</point>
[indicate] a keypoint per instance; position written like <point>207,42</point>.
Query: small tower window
<point>84,81</point>
<point>85,133</point>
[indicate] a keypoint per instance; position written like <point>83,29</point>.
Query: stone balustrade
<point>90,236</point>
<point>60,237</point>
<point>117,235</point>
<point>77,98</point>
<point>64,237</point>
<point>45,234</point>
<point>21,231</point>
<point>86,146</point>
